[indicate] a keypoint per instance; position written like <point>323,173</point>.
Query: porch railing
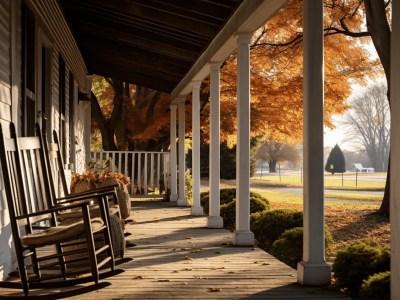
<point>149,171</point>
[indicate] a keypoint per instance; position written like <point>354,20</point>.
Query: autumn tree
<point>129,117</point>
<point>276,77</point>
<point>368,124</point>
<point>275,151</point>
<point>350,22</point>
<point>335,162</point>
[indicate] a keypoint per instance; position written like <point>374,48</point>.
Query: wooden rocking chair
<point>33,218</point>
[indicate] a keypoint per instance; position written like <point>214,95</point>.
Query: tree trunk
<point>97,115</point>
<point>379,29</point>
<point>272,166</point>
<point>384,210</point>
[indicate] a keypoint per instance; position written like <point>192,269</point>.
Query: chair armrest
<point>110,189</point>
<point>55,209</point>
<point>77,197</point>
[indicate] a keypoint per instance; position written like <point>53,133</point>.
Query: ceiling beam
<point>152,16</point>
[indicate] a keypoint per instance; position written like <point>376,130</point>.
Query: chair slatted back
<point>34,174</point>
<point>58,182</point>
<point>25,179</point>
<point>13,186</point>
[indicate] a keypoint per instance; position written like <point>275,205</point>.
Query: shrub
<point>268,226</point>
<point>376,287</point>
<point>289,247</point>
<point>227,157</point>
<point>188,188</point>
<point>357,262</point>
<point>227,195</point>
<point>228,211</point>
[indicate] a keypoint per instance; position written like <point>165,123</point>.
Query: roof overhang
<point>158,44</point>
<point>250,16</point>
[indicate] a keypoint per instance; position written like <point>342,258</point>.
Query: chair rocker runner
<point>33,218</point>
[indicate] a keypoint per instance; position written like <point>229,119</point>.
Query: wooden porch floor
<point>177,257</point>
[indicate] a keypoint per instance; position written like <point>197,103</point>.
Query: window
<point>63,129</point>
<point>71,120</point>
<point>28,117</point>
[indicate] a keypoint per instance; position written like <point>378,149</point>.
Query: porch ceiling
<point>153,43</point>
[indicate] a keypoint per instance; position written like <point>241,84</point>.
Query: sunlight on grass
<point>280,199</point>
<point>361,197</point>
<point>335,182</point>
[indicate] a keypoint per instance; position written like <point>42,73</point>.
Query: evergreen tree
<point>335,162</point>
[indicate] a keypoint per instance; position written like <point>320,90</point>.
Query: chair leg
<point>35,264</point>
<point>61,261</point>
<point>91,246</point>
<point>24,278</point>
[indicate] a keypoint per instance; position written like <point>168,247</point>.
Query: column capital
<point>244,37</point>
<point>180,99</point>
<point>196,83</point>
<point>215,65</point>
<point>173,106</point>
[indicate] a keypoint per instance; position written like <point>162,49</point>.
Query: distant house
<point>360,168</point>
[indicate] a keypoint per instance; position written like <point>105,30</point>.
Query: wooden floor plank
<point>177,257</point>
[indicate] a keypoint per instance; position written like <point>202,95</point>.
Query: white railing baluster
<point>133,174</point>
<point>145,177</point>
<point>158,172</point>
<point>125,154</point>
<point>139,178</point>
<point>152,170</point>
<point>145,174</point>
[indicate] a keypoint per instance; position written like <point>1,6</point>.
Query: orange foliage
<point>277,71</point>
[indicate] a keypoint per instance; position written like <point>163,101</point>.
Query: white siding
<point>5,65</point>
<point>52,18</point>
<point>6,258</point>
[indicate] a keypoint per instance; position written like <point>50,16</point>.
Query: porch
<point>178,257</point>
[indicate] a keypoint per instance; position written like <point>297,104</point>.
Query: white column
<point>243,236</point>
<point>214,220</point>
<point>174,185</point>
<point>197,209</point>
<point>313,269</point>
<point>395,153</point>
<point>181,153</point>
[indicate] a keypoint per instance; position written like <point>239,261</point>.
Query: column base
<point>243,238</point>
<point>181,202</point>
<point>197,211</point>
<point>313,274</point>
<point>173,197</point>
<point>215,222</point>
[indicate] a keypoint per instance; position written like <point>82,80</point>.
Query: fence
<point>149,171</point>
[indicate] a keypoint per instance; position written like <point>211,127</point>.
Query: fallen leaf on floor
<point>266,264</point>
<point>187,269</point>
<point>189,237</point>
<point>138,277</point>
<point>164,280</point>
<point>214,290</point>
<point>188,258</point>
<point>175,271</point>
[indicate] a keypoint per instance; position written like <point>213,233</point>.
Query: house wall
<point>51,32</point>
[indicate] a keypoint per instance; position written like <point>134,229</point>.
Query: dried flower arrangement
<point>97,178</point>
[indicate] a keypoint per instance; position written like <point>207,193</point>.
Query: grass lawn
<point>331,181</point>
